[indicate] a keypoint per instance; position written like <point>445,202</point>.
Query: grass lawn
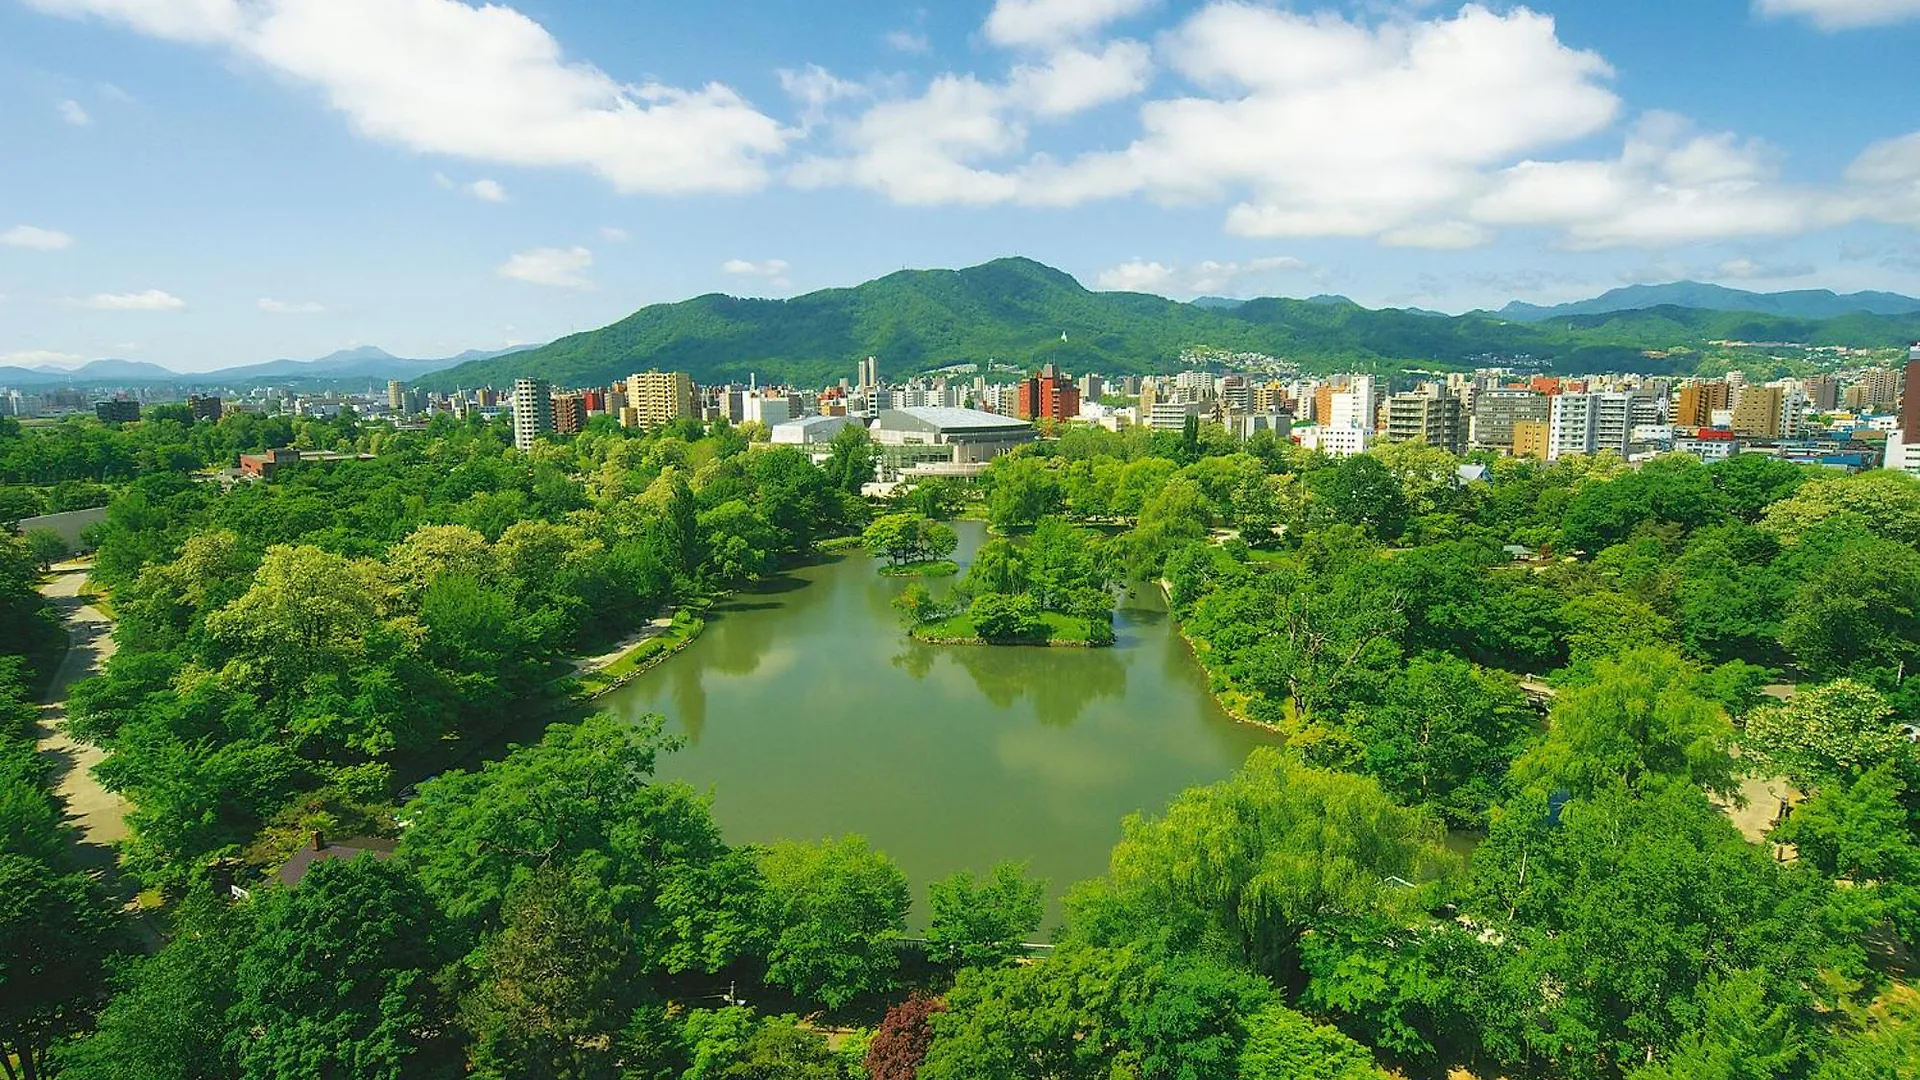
<point>1067,630</point>
<point>686,626</point>
<point>931,568</point>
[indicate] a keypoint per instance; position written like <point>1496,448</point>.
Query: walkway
<point>653,629</point>
<point>97,813</point>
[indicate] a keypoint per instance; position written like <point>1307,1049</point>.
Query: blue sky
<point>210,182</point>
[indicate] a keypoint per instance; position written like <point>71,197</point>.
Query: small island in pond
<point>1053,589</point>
<point>913,546</point>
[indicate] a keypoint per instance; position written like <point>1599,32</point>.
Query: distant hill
<point>365,362</point>
<point>1016,310</point>
<point>1798,304</point>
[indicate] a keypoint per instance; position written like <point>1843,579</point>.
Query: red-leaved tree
<point>900,1044</point>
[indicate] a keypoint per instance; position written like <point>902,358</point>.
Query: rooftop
<point>945,419</point>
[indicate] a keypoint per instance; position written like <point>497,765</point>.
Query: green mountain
<point>1799,303</point>
<point>1016,310</point>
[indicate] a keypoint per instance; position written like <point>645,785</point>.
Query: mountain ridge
<point>1795,303</point>
<point>360,362</point>
<point>1016,310</point>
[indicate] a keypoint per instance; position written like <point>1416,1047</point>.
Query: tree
<point>1749,483</point>
<point>1885,502</point>
<point>836,908</point>
<point>1827,733</point>
<point>1445,736</point>
<point>1859,613</point>
<point>1361,491</point>
<point>1283,1045</point>
<point>900,1044</point>
<point>1264,857</point>
<point>48,547</point>
<point>977,921</point>
<point>339,980</point>
<point>168,1017</point>
<point>559,983</point>
<point>55,931</point>
<point>1021,490</point>
<point>1860,830</point>
<point>851,458</point>
<point>1002,618</point>
<point>582,801</point>
<point>1642,721</point>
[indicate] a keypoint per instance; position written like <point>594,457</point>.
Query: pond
<point>808,711</point>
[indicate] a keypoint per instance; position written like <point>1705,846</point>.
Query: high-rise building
<point>1588,423</point>
<point>397,396</point>
<point>1699,401</point>
<point>1758,411</point>
<point>569,414</point>
<point>661,397</point>
<point>1048,396</point>
<point>1092,388</point>
<point>1495,412</point>
<point>1910,396</point>
<point>532,411</point>
<point>1532,438</point>
<point>1433,416</point>
<point>869,373</point>
<point>204,408</point>
<point>1878,389</point>
<point>1354,407</point>
<point>1823,393</point>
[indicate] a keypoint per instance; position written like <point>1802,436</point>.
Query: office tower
<point>1757,413</point>
<point>869,373</point>
<point>1048,395</point>
<point>1699,401</point>
<point>1910,396</point>
<point>1433,417</point>
<point>532,411</point>
<point>1495,412</point>
<point>661,397</point>
<point>569,414</point>
<point>397,396</point>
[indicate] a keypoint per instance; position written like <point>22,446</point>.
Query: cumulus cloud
<point>772,271</point>
<point>1202,278</point>
<point>487,191</point>
<point>34,238</point>
<point>1670,185</point>
<point>562,268</point>
<point>1843,14</point>
<point>149,300</point>
<point>483,83</point>
<point>74,113</point>
<point>289,307</point>
<point>1073,80</point>
<point>1048,22</point>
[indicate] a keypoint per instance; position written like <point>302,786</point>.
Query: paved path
<point>654,628</point>
<point>99,814</point>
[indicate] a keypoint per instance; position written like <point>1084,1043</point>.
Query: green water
<point>810,714</point>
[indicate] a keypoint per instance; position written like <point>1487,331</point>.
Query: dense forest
<point>1514,710</point>
<point>919,320</point>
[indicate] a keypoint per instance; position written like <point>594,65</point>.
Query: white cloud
<point>483,83</point>
<point>816,88</point>
<point>906,41</point>
<point>40,357</point>
<point>289,307</point>
<point>149,300</point>
<point>74,113</point>
<point>614,234</point>
<point>1202,278</point>
<point>748,268</point>
<point>772,271</point>
<point>1074,79</point>
<point>1843,14</point>
<point>563,268</point>
<point>917,150</point>
<point>1048,22</point>
<point>1438,236</point>
<point>1669,186</point>
<point>487,191</point>
<point>36,239</point>
<point>1745,269</point>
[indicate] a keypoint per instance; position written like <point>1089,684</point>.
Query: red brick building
<point>1049,395</point>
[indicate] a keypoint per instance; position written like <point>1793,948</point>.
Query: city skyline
<point>218,183</point>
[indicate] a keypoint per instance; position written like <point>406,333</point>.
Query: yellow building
<point>1530,438</point>
<point>660,397</point>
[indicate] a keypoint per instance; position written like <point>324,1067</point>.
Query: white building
<point>766,410</point>
<point>1172,415</point>
<point>532,411</point>
<point>1589,423</point>
<point>809,431</point>
<point>1336,441</point>
<point>1357,406</point>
